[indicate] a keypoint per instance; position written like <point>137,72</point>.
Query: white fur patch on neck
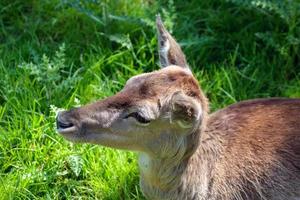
<point>144,163</point>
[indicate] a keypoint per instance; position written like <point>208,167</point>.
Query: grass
<point>60,54</point>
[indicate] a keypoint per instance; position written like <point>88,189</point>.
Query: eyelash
<point>138,117</point>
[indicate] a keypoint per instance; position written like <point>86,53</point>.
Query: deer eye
<point>138,117</point>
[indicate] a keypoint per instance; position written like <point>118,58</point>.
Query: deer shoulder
<point>257,149</point>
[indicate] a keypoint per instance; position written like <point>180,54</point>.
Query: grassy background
<point>58,54</point>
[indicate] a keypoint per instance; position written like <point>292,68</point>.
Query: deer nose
<point>62,123</point>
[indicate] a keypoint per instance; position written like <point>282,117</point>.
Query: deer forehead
<point>155,87</point>
<point>160,77</point>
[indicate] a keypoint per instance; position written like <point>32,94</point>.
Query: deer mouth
<point>64,127</point>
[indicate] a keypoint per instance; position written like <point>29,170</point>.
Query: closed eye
<point>138,117</point>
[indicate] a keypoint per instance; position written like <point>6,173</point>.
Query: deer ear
<point>170,52</point>
<point>185,110</point>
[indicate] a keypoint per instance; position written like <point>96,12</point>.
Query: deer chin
<point>103,137</point>
<point>71,133</point>
<point>66,131</point>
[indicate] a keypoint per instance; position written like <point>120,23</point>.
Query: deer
<point>248,150</point>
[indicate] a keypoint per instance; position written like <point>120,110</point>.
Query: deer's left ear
<point>170,52</point>
<point>185,110</point>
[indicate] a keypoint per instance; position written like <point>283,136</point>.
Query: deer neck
<point>179,176</point>
<point>160,176</point>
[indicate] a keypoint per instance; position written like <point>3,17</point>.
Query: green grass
<point>60,54</point>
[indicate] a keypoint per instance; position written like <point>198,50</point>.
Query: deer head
<point>155,113</point>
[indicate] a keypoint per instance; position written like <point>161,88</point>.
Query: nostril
<point>63,124</point>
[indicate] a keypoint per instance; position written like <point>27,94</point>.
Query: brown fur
<point>260,149</point>
<point>249,150</point>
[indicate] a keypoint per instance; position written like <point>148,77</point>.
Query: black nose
<point>61,123</point>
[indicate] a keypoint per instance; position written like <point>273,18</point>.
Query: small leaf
<point>121,39</point>
<point>75,163</point>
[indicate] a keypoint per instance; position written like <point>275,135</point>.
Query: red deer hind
<point>249,150</point>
